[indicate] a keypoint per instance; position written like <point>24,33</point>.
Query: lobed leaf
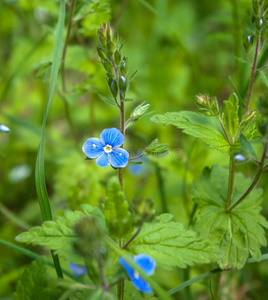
<point>33,283</point>
<point>238,233</point>
<point>59,235</point>
<point>203,127</point>
<point>170,244</point>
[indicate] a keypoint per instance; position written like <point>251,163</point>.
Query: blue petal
<point>119,158</point>
<point>240,157</point>
<point>112,137</point>
<point>93,147</point>
<point>103,160</point>
<point>78,270</point>
<point>135,278</point>
<point>141,284</point>
<point>145,262</point>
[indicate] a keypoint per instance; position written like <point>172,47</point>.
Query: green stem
<point>230,181</point>
<point>120,285</point>
<point>255,180</point>
<point>252,75</point>
<point>217,286</point>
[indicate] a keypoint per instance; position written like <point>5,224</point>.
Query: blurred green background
<point>180,48</point>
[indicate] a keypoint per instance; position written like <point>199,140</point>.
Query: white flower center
<point>136,275</point>
<point>108,148</point>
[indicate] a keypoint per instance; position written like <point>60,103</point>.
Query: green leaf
<point>246,147</point>
<point>263,78</point>
<point>116,210</point>
<point>230,116</point>
<point>40,180</point>
<point>132,75</point>
<point>107,100</point>
<point>33,283</point>
<point>59,235</point>
<point>156,148</point>
<point>206,128</point>
<point>238,233</point>
<point>170,244</point>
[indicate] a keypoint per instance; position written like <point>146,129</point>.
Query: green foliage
<point>170,244</point>
<point>206,128</point>
<point>238,233</point>
<point>230,116</point>
<point>246,147</point>
<point>116,210</point>
<point>59,235</point>
<point>156,148</point>
<point>33,283</point>
<point>106,100</point>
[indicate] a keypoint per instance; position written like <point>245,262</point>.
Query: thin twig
<point>132,238</point>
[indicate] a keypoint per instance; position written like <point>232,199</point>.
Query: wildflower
<point>106,149</point>
<point>4,128</point>
<point>78,270</point>
<point>147,265</point>
<point>240,157</point>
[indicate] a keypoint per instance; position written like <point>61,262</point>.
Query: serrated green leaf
<point>263,78</point>
<point>156,148</point>
<point>116,210</point>
<point>59,235</point>
<point>246,147</point>
<point>132,75</point>
<point>107,100</point>
<point>33,283</point>
<point>170,244</point>
<point>206,128</point>
<point>230,115</point>
<point>238,233</point>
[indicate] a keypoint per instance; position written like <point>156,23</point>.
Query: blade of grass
<point>34,256</point>
<point>40,180</point>
<point>208,274</point>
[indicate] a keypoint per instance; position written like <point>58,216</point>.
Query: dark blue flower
<point>4,128</point>
<point>106,149</point>
<point>78,270</point>
<point>146,264</point>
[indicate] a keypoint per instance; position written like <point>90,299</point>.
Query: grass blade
<point>40,181</point>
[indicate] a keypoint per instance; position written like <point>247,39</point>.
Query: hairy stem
<point>120,285</point>
<point>255,180</point>
<point>132,238</point>
<point>230,181</point>
<point>252,75</point>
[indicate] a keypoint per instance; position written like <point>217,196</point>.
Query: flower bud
<point>140,110</point>
<point>101,53</point>
<point>113,87</point>
<point>117,57</point>
<point>122,84</point>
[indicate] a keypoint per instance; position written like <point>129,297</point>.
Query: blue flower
<point>147,265</point>
<point>240,157</point>
<point>78,270</point>
<point>106,149</point>
<point>4,128</point>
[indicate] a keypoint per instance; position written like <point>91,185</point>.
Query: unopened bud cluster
<point>144,210</point>
<point>90,238</point>
<point>257,27</point>
<point>207,106</point>
<point>116,66</point>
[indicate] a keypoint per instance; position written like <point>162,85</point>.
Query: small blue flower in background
<point>4,128</point>
<point>78,270</point>
<point>240,157</point>
<point>147,264</point>
<point>106,149</point>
